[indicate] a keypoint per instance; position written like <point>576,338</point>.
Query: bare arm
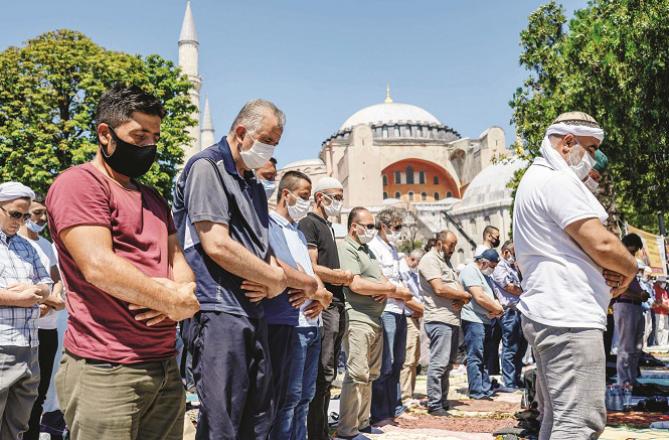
<point>604,248</point>
<point>332,276</point>
<point>91,248</point>
<point>365,287</point>
<point>513,289</point>
<point>180,268</point>
<point>416,306</point>
<point>445,291</point>
<point>484,300</point>
<point>55,299</point>
<point>236,259</point>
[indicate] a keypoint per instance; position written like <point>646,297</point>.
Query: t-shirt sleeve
<point>204,196</point>
<point>566,202</point>
<point>308,228</point>
<point>77,198</point>
<point>501,276</point>
<point>429,268</point>
<point>349,260</point>
<point>470,278</point>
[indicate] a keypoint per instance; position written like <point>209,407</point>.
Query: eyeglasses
<point>369,227</point>
<point>337,197</point>
<point>396,228</point>
<point>16,215</point>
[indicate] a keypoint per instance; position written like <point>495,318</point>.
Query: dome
<point>489,186</point>
<point>304,163</point>
<point>390,112</point>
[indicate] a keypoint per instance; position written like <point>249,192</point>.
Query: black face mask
<point>129,159</point>
<point>495,242</point>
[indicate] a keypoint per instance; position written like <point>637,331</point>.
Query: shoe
<point>441,412</point>
<point>355,437</point>
<point>507,389</point>
<point>371,430</point>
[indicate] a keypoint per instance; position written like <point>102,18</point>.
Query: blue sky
<point>319,60</point>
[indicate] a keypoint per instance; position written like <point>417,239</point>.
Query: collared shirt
<point>412,280</point>
<point>360,260</point>
<point>296,245</point>
<point>471,276</point>
<point>389,260</point>
<point>19,263</point>
<point>211,189</point>
<point>504,275</point>
<point>433,265</point>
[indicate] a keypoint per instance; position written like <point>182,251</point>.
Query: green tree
<point>612,61</point>
<point>49,90</point>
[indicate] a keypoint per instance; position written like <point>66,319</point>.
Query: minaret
<point>188,61</point>
<point>208,136</point>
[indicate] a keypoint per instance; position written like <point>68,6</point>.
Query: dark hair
<point>39,198</point>
<point>118,104</point>
<point>354,214</point>
<point>507,244</point>
<point>489,229</point>
<point>271,159</point>
<point>633,240</point>
<point>290,180</point>
<point>430,244</point>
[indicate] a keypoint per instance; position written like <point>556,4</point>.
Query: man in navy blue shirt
<point>222,217</point>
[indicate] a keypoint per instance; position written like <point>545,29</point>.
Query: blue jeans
<point>291,419</point>
<point>477,373</point>
<point>386,395</point>
<point>443,352</point>
<point>514,346</point>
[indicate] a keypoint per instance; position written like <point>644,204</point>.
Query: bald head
<point>446,243</point>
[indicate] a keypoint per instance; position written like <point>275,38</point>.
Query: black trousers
<point>334,327</point>
<point>491,347</point>
<point>233,376</point>
<point>48,344</point>
<point>281,339</point>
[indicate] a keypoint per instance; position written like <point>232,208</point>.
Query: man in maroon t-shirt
<point>127,282</point>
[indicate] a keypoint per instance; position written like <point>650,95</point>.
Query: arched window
<point>385,180</point>
<point>449,194</point>
<point>423,196</point>
<point>421,177</point>
<point>411,196</point>
<point>409,175</point>
<point>396,131</point>
<point>385,195</point>
<point>398,177</point>
<point>385,132</point>
<point>436,196</point>
<point>398,195</point>
<point>435,180</point>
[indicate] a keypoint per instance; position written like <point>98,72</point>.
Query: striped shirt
<point>19,263</point>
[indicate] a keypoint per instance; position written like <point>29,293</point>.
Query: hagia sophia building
<point>397,154</point>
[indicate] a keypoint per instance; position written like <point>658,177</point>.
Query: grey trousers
<point>629,321</point>
<point>571,377</point>
<point>19,380</point>
<point>443,351</point>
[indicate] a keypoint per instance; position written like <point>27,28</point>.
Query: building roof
<point>304,163</point>
<point>490,185</point>
<point>390,112</point>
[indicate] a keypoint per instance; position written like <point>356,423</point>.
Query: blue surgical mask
<point>270,187</point>
<point>35,227</point>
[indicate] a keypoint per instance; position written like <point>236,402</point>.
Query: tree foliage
<point>613,63</point>
<point>49,90</point>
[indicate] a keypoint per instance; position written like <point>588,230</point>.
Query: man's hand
<point>457,305</point>
<point>465,297</point>
<point>43,310</point>
<point>55,301</point>
<point>404,294</point>
<point>276,288</point>
<point>297,297</point>
<point>256,292</point>
<point>24,295</point>
<point>313,310</point>
<point>380,298</point>
<point>185,303</point>
<point>152,317</point>
<point>324,297</point>
<point>346,277</point>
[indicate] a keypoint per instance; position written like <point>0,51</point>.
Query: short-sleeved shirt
<point>471,276</point>
<point>288,245</point>
<point>47,256</point>
<point>211,189</point>
<point>562,285</point>
<point>389,260</point>
<point>99,325</point>
<point>361,261</point>
<point>503,275</point>
<point>319,234</point>
<point>433,265</point>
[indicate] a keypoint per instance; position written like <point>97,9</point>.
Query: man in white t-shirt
<point>571,268</point>
<point>47,323</point>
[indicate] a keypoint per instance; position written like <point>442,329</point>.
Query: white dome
<point>489,186</point>
<point>390,112</point>
<point>304,163</point>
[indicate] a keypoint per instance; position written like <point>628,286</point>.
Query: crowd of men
<point>265,300</point>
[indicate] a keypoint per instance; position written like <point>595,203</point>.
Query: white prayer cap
<point>326,183</point>
<point>15,190</point>
<point>576,123</point>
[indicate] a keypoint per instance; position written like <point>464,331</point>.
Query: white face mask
<point>299,210</point>
<point>488,271</point>
<point>583,166</point>
<point>393,237</point>
<point>592,184</point>
<point>334,208</point>
<point>257,155</point>
<point>511,259</point>
<point>35,227</point>
<point>367,234</point>
<point>269,186</point>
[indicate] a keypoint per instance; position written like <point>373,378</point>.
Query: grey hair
<point>417,254</point>
<point>253,113</point>
<point>388,217</point>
